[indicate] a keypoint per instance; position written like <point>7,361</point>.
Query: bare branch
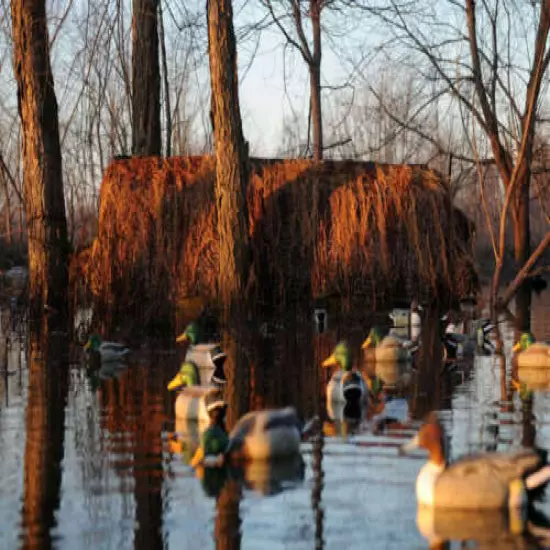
<point>524,272</point>
<point>305,53</point>
<point>8,175</point>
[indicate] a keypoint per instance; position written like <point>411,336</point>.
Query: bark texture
<point>231,154</point>
<point>42,177</point>
<point>315,80</point>
<point>146,138</point>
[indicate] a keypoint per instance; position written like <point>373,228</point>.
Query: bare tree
<point>166,84</point>
<point>298,11</point>
<point>506,90</point>
<point>146,138</point>
<point>231,153</point>
<point>42,175</point>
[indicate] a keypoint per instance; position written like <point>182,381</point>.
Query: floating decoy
<point>484,481</point>
<point>345,385</point>
<point>459,345</point>
<point>270,433</point>
<point>191,402</point>
<point>530,353</point>
<point>108,351</point>
<point>193,395</point>
<point>208,357</point>
<point>258,435</point>
<point>380,348</point>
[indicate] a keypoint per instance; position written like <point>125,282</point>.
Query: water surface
<point>87,460</point>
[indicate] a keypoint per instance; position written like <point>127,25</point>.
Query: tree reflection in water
<point>429,364</point>
<point>317,490</point>
<point>228,521</point>
<point>45,431</point>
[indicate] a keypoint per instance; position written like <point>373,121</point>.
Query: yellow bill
<point>330,361</point>
<point>176,382</point>
<point>87,345</point>
<point>367,343</point>
<point>197,458</point>
<point>517,347</point>
<point>182,338</point>
<point>176,446</point>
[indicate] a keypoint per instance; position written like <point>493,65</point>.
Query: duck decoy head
<point>525,340</point>
<point>190,334</point>
<point>429,437</point>
<point>340,357</point>
<point>374,338</point>
<point>93,343</point>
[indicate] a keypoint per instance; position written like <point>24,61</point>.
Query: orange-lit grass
<point>366,232</point>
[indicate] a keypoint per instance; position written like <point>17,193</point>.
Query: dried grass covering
<point>370,234</point>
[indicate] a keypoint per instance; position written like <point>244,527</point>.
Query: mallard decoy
<point>345,385</point>
<point>191,334</point>
<point>377,348</point>
<point>460,345</point>
<point>208,357</point>
<point>191,400</point>
<point>214,441</point>
<point>481,328</point>
<point>187,376</point>
<point>258,435</point>
<point>457,345</point>
<point>271,433</point>
<point>484,481</point>
<point>108,351</point>
<point>530,353</point>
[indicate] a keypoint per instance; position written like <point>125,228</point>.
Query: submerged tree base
<point>377,233</point>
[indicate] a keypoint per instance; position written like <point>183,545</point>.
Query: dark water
<point>87,461</point>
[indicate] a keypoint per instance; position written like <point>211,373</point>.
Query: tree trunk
<point>316,112</point>
<point>167,109</point>
<point>231,154</point>
<point>146,139</point>
<point>42,177</point>
<point>522,252</point>
<point>315,7</point>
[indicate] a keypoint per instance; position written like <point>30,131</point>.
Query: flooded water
<point>88,458</point>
